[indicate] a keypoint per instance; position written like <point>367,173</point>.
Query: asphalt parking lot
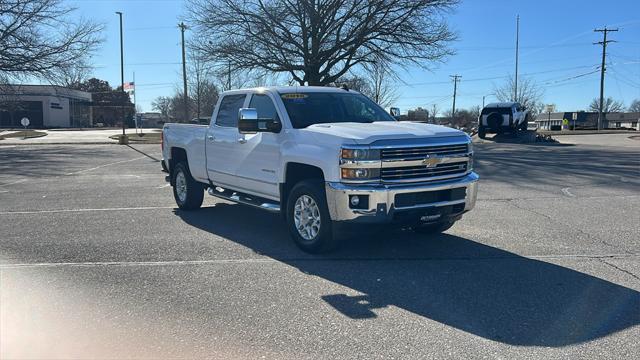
<point>96,262</point>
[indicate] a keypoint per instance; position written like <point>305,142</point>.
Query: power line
<point>496,77</point>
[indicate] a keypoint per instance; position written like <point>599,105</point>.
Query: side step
<point>245,199</point>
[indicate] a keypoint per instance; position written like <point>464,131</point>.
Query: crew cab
<point>324,158</point>
<point>503,117</point>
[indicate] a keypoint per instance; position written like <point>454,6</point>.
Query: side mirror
<point>248,122</point>
<point>395,112</point>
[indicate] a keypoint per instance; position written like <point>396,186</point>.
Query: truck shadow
<point>458,282</point>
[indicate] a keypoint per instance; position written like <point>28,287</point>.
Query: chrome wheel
<point>306,216</point>
<point>181,186</point>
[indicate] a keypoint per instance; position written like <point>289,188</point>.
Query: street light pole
<point>122,72</point>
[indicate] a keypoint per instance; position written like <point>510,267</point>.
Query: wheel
<point>187,192</point>
<point>523,126</point>
<point>308,217</point>
<point>435,228</point>
<point>482,132</point>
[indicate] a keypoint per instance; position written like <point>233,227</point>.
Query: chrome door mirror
<point>248,122</point>
<point>395,112</point>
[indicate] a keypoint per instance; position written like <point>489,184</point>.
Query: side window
<point>228,112</point>
<point>264,106</point>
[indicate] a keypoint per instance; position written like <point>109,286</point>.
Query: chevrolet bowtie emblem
<point>431,161</point>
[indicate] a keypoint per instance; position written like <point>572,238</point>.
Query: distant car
<point>200,121</point>
<point>501,118</point>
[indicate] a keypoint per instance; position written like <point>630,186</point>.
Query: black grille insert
<point>429,197</point>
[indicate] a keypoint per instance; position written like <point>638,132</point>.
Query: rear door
<point>222,138</point>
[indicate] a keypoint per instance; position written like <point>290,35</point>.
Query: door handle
<point>242,140</point>
<point>210,137</point>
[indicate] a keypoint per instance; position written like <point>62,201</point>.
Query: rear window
<point>228,112</point>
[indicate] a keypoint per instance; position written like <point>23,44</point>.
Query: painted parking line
<point>84,210</point>
<point>105,165</point>
<point>587,257</point>
<point>567,192</point>
<point>14,182</point>
<point>137,263</point>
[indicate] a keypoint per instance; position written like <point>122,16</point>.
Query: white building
<point>46,106</point>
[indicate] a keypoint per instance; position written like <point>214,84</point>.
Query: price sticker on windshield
<point>294,96</point>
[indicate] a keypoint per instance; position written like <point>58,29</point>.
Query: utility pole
<point>604,43</point>
<point>515,86</point>
<point>122,74</point>
<point>183,27</point>
<point>455,78</point>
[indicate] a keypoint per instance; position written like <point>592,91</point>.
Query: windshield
<point>306,109</point>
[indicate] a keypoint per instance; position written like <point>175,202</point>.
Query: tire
<point>494,121</point>
<point>482,132</point>
<point>523,126</point>
<point>187,192</point>
<point>308,218</point>
<point>436,228</point>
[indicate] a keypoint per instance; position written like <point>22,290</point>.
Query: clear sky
<point>556,50</point>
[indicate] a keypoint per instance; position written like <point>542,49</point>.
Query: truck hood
<point>366,133</point>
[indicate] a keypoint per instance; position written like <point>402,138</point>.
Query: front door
<point>260,153</point>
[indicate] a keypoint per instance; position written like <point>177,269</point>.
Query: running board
<point>245,199</point>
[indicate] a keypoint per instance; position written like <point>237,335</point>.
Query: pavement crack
<point>551,219</point>
<point>620,269</point>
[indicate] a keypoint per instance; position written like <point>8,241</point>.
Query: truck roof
<point>292,89</point>
<point>501,104</point>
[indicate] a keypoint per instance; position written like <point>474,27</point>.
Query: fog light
<point>355,200</point>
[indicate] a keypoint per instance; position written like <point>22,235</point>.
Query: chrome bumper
<point>381,199</point>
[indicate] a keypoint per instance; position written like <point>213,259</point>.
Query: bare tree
<point>201,86</point>
<point>434,112</point>
<point>356,82</point>
<point>635,106</point>
<point>383,91</point>
<point>70,76</point>
<point>318,42</point>
<point>529,94</point>
<point>37,38</point>
<point>608,106</point>
<point>162,104</point>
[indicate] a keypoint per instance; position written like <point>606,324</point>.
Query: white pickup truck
<point>504,117</point>
<point>325,158</point>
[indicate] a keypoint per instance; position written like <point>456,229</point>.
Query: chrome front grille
<point>418,172</point>
<point>424,163</point>
<point>418,153</point>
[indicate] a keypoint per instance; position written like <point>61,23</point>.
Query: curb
<point>78,143</point>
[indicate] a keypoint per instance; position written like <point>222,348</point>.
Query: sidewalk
<point>628,139</point>
<point>72,137</point>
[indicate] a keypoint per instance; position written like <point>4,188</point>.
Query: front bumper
<point>381,207</point>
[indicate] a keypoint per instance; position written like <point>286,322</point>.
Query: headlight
<point>359,174</point>
<point>360,154</point>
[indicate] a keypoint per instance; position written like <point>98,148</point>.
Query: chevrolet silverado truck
<point>325,158</point>
<point>501,118</point>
